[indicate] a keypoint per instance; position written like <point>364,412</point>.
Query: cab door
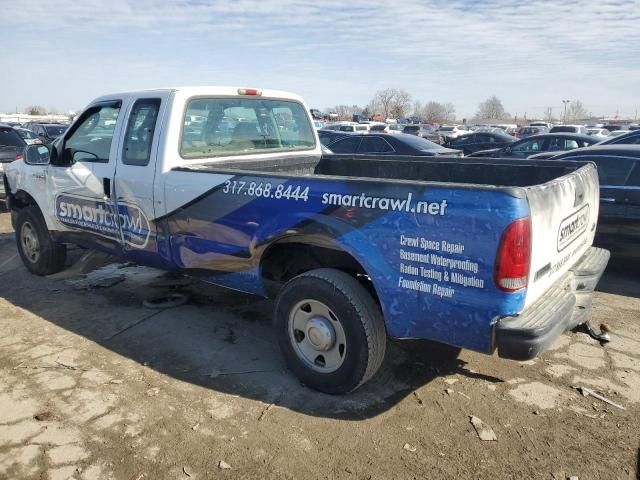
<point>135,175</point>
<point>80,179</point>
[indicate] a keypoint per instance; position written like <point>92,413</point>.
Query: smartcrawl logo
<point>88,214</point>
<point>572,227</point>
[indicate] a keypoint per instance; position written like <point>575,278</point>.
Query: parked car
<point>546,143</point>
<point>546,125</point>
<point>631,138</point>
<point>613,127</point>
<point>358,127</point>
<point>619,218</point>
<point>524,132</point>
<point>353,252</point>
<point>617,133</point>
<point>633,127</point>
<point>477,141</point>
<point>329,136</point>
<point>317,114</point>
<point>426,131</point>
<point>485,129</point>
<point>390,144</point>
<point>11,148</point>
<point>47,132</point>
<point>395,127</point>
<point>569,129</point>
<point>599,133</point>
<point>452,131</point>
<point>28,136</point>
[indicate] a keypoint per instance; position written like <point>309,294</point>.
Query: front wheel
<point>330,330</point>
<point>39,253</point>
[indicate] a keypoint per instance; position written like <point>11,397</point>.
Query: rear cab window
<point>140,130</point>
<point>216,127</point>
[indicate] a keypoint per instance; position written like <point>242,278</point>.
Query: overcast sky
<point>531,54</point>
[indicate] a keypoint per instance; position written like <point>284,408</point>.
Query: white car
<point>599,133</point>
<point>617,133</point>
<point>452,131</point>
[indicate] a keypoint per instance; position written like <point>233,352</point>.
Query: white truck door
<point>135,174</point>
<point>80,184</point>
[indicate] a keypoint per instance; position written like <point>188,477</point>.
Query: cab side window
<point>140,130</point>
<point>91,139</point>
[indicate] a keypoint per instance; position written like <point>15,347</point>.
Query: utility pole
<point>566,102</point>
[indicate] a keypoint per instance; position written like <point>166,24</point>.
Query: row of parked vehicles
<point>14,138</point>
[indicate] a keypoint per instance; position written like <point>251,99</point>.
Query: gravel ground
<point>95,386</point>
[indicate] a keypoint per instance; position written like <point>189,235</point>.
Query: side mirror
<point>37,155</point>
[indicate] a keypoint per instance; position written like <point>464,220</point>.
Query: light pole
<point>566,102</point>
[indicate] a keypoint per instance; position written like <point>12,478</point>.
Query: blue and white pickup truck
<point>229,185</point>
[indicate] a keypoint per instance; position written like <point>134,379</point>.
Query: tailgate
<point>564,214</point>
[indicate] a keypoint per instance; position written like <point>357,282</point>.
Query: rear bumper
<point>564,306</point>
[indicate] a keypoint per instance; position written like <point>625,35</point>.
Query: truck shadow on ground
<point>221,340</point>
<point>620,278</point>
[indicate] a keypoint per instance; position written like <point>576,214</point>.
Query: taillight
<point>249,91</point>
<point>514,256</point>
<point>18,157</point>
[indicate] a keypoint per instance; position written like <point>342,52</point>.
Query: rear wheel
<point>330,330</point>
<point>39,253</point>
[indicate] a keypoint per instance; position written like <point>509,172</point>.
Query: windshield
<point>54,131</point>
<point>235,126</point>
<point>27,134</point>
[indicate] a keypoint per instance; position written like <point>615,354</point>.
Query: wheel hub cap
<point>30,242</point>
<point>317,336</point>
<point>321,334</point>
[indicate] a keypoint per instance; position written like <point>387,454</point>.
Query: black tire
<point>357,314</point>
<point>51,256</point>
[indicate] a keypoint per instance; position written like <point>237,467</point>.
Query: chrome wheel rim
<point>30,242</point>
<point>317,336</point>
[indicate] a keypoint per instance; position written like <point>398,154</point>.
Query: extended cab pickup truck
<point>229,185</point>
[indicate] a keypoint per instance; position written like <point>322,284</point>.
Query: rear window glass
<point>216,127</point>
<point>55,130</point>
<point>563,130</point>
<point>10,138</point>
<point>28,134</point>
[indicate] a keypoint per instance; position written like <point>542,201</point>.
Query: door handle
<point>39,176</point>
<point>608,200</point>
<point>106,187</point>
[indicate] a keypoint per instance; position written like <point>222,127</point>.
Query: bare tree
<point>435,112</point>
<point>577,111</point>
<point>449,112</point>
<point>345,112</point>
<point>491,109</point>
<point>417,109</point>
<point>548,115</point>
<point>391,102</point>
<point>35,110</point>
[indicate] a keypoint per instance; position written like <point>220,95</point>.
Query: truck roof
<point>193,91</point>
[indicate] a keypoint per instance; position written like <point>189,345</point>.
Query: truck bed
<point>471,171</point>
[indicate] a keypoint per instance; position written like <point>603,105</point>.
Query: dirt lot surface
<point>95,386</point>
